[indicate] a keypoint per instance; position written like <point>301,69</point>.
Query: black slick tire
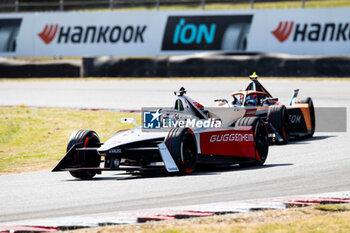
<point>181,143</point>
<point>261,139</point>
<point>84,139</point>
<point>278,117</point>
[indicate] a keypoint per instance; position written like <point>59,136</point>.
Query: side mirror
<point>269,101</point>
<point>220,102</point>
<point>129,121</point>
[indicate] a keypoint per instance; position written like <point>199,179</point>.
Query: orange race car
<point>297,119</point>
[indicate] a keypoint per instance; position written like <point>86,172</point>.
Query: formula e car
<point>177,150</point>
<point>297,119</point>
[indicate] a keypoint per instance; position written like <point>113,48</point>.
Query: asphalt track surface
<point>319,164</point>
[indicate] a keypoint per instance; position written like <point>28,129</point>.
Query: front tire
<point>181,143</point>
<point>278,117</point>
<point>84,139</point>
<point>261,139</point>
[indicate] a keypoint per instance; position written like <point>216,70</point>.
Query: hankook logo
<point>79,34</point>
<point>283,31</point>
<point>312,31</point>
<point>48,33</point>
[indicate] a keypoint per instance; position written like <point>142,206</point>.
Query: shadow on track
<point>212,170</point>
<point>303,140</point>
<point>220,169</point>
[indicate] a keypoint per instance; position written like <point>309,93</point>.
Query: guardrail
<point>67,5</point>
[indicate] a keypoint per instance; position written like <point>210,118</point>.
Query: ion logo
<point>214,32</point>
<point>283,31</point>
<point>151,120</point>
<point>49,33</point>
<point>188,33</point>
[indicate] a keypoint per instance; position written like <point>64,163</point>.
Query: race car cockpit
<point>254,95</point>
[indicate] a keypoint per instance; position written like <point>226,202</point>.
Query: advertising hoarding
<point>150,33</point>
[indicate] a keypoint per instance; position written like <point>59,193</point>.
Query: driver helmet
<point>253,98</point>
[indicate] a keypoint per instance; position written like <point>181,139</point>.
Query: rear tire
<point>308,101</point>
<point>181,143</point>
<point>278,116</point>
<point>261,139</point>
<point>84,139</point>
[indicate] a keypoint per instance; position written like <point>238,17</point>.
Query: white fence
<point>149,33</point>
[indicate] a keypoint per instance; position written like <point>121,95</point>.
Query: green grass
<point>270,5</point>
<point>257,5</point>
<point>36,138</point>
<point>332,208</point>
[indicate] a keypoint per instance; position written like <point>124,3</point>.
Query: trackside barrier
<point>39,69</point>
<point>219,65</point>
<point>168,33</point>
<point>200,65</point>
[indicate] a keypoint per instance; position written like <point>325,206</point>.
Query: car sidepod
<point>233,145</point>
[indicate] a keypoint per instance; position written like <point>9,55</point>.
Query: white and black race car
<point>178,150</point>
